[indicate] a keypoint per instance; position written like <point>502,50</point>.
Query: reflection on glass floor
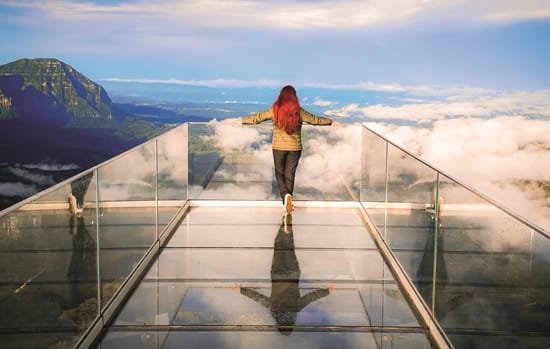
<point>241,278</point>
<point>49,265</point>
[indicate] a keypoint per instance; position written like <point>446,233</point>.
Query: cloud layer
<point>299,15</point>
<point>494,141</point>
<point>485,104</point>
<point>505,158</point>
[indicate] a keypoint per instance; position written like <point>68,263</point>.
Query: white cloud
<point>505,157</point>
<point>230,135</point>
<point>305,15</point>
<point>33,177</point>
<point>456,92</point>
<point>533,104</point>
<point>54,166</point>
<point>218,83</point>
<point>322,103</point>
<point>17,189</point>
<point>509,11</point>
<point>330,159</point>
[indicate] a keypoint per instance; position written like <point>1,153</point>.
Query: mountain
<point>38,85</point>
<point>52,114</point>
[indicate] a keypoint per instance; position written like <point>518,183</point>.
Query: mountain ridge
<point>51,113</point>
<point>60,85</point>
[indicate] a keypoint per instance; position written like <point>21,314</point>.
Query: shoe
<point>287,205</point>
<point>73,206</point>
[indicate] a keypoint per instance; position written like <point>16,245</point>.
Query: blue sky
<point>497,44</point>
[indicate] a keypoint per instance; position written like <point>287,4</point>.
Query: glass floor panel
<point>241,277</point>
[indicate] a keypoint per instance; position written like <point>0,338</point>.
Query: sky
<point>498,44</point>
<point>465,84</point>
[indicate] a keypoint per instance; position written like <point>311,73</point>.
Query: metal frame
<point>436,333</point>
<point>252,203</point>
<point>467,187</point>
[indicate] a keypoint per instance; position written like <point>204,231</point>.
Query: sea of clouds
<point>496,142</point>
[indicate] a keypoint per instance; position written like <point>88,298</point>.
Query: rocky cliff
<point>52,84</point>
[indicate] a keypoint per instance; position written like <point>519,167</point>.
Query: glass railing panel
<point>373,176</point>
<point>373,167</point>
<point>129,180</point>
<point>477,270</point>
<point>229,161</point>
<point>128,216</point>
<point>172,173</point>
<point>409,218</point>
<point>48,255</point>
<point>539,278</point>
<point>409,180</point>
<point>329,166</point>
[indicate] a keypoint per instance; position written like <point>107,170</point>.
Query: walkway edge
<point>436,334</point>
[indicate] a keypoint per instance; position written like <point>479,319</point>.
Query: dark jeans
<point>286,163</point>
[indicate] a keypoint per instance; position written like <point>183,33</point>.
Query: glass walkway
<point>181,243</point>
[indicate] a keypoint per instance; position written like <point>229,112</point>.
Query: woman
<point>287,116</point>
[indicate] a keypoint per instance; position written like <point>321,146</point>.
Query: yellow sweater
<point>281,139</point>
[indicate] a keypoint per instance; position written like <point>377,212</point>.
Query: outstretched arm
<point>257,296</point>
<point>258,117</point>
<point>312,297</point>
<point>314,119</point>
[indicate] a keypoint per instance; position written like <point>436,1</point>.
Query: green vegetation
<point>132,128</point>
<point>7,113</point>
<point>197,142</point>
<point>91,123</point>
<point>86,101</point>
<point>80,96</point>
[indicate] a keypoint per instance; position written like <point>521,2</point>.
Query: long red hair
<point>286,110</point>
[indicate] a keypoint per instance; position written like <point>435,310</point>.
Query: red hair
<point>286,110</point>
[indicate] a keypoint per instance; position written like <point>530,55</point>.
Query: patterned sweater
<point>281,139</point>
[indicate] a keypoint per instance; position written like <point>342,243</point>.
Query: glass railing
<point>481,270</point>
<point>66,252</point>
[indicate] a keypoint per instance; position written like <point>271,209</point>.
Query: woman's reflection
<point>285,302</point>
<point>82,268</point>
